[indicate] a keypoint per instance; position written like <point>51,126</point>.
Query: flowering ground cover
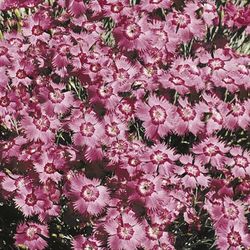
<point>124,125</point>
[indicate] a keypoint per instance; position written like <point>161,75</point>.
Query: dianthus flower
<point>88,196</point>
<point>32,236</point>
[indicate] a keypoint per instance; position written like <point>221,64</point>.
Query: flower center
<point>192,170</point>
<point>56,96</point>
<point>234,239</point>
<point>87,129</point>
<point>42,123</point>
<point>158,114</point>
<point>105,91</point>
<point>30,200</point>
<point>133,161</point>
<point>132,31</point>
<point>154,232</point>
<point>125,232</point>
<point>158,157</point>
<point>215,63</point>
<point>211,150</point>
<point>49,168</point>
<point>112,130</point>
<point>89,246</point>
<point>126,108</point>
<point>31,232</point>
<point>37,30</point>
<point>95,67</point>
<point>237,109</point>
<point>3,50</point>
<point>90,193</point>
<point>186,113</point>
<point>181,20</point>
<point>116,8</point>
<point>20,74</point>
<point>146,187</point>
<point>231,211</point>
<point>4,101</point>
<point>241,161</point>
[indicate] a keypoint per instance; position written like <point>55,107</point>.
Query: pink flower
<point>148,189</point>
<point>157,238</point>
<point>157,116</point>
<point>189,118</point>
<point>47,168</point>
<point>32,236</point>
<point>88,196</point>
<point>88,130</point>
<point>185,23</point>
<point>194,173</point>
<point>55,99</point>
<point>125,232</point>
<point>133,33</point>
<point>13,182</point>
<point>38,126</point>
<point>237,114</point>
<point>234,237</point>
<point>240,162</point>
<point>150,5</point>
<point>81,243</point>
<point>211,150</point>
<point>30,201</point>
<point>159,159</point>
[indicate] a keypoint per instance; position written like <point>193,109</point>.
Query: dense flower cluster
<point>125,124</point>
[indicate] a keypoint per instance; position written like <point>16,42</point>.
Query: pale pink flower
<point>47,168</point>
<point>237,114</point>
